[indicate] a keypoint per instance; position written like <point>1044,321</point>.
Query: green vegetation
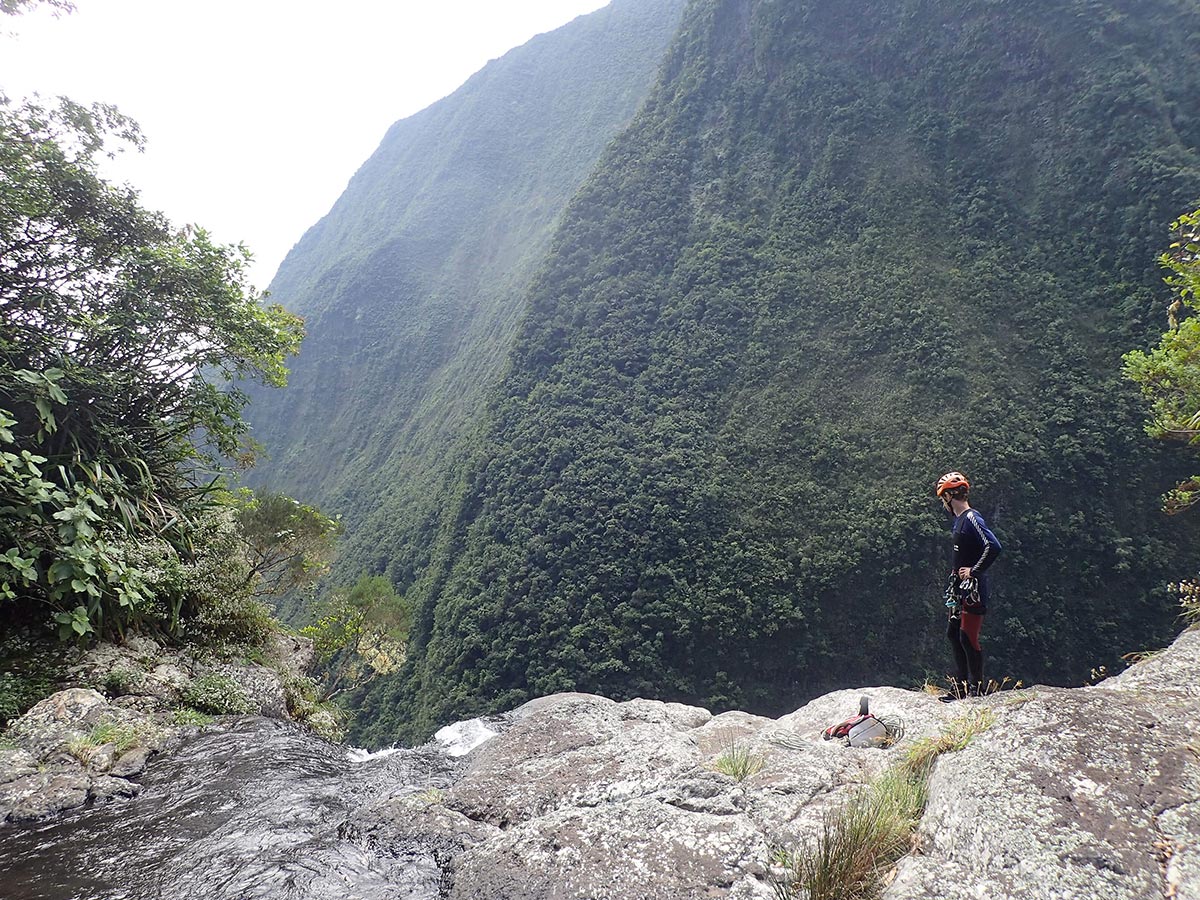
<point>1189,601</point>
<point>121,681</point>
<point>120,341</point>
<point>186,717</point>
<point>287,544</point>
<point>361,633</point>
<point>30,669</point>
<point>738,762</point>
<point>121,737</point>
<point>125,348</point>
<point>833,256</point>
<point>861,842</point>
<point>414,284</point>
<point>218,695</point>
<point>1169,374</point>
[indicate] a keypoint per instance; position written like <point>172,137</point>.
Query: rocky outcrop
<point>1071,793</point>
<point>71,748</point>
<point>580,796</point>
<point>1068,793</point>
<point>85,743</point>
<point>1087,792</point>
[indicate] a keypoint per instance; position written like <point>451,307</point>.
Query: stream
<point>254,811</point>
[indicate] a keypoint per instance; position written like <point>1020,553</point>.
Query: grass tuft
<point>121,737</point>
<point>739,763</point>
<point>185,716</point>
<point>1140,656</point>
<point>859,844</point>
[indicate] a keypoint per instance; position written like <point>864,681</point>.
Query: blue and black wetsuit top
<point>976,548</point>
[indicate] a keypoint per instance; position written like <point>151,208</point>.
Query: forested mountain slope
<point>843,248</point>
<point>413,284</point>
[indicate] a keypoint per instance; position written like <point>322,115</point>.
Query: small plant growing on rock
<point>432,797</point>
<point>956,736</point>
<point>1189,601</point>
<point>218,695</point>
<point>185,718</point>
<point>122,681</point>
<point>1140,656</point>
<point>305,706</point>
<point>738,762</point>
<point>121,737</point>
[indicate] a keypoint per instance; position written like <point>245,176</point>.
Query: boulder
<point>108,787</point>
<point>16,763</point>
<point>261,686</point>
<point>130,763</point>
<point>43,793</point>
<point>1085,792</point>
<point>1088,792</point>
<point>580,796</point>
<point>52,724</point>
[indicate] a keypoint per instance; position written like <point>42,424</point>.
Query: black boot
<point>958,690</point>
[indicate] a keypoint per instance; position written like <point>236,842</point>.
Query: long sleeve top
<point>975,548</point>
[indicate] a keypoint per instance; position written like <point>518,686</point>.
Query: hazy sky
<point>257,112</point>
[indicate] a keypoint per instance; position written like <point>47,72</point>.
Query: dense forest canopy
<point>842,249</point>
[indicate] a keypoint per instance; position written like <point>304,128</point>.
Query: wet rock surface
<point>81,745</point>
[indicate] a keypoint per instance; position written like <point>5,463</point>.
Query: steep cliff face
<point>842,249</point>
<point>413,284</point>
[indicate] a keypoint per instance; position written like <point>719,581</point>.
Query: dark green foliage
<point>413,285</point>
<point>843,248</point>
<point>32,664</point>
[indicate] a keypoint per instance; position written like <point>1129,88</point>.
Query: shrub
<point>217,694</point>
<point>122,681</point>
<point>183,716</point>
<point>1189,601</point>
<point>304,704</point>
<point>30,670</point>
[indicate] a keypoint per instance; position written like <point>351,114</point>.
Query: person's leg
<point>961,669</point>
<point>969,629</point>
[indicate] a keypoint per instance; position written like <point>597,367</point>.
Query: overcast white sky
<point>257,112</point>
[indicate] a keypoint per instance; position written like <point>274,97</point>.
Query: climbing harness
<point>961,592</point>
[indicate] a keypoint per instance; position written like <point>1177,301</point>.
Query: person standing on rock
<point>975,549</point>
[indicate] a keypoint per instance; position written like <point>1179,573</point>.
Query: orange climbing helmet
<point>950,481</point>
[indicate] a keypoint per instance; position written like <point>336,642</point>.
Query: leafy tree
<point>1169,374</point>
<point>121,343</point>
<point>361,633</point>
<point>287,544</point>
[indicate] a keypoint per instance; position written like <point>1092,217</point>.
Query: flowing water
<point>252,812</point>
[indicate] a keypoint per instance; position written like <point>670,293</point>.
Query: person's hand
<point>964,573</point>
